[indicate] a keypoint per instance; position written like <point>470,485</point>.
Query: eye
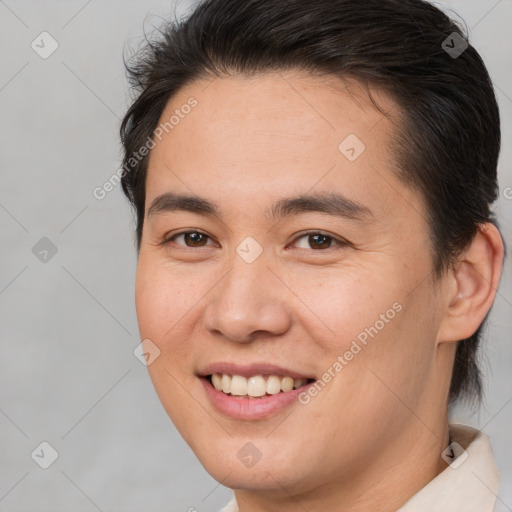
<point>189,239</point>
<point>317,241</point>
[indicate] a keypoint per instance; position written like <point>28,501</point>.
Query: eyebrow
<point>330,203</point>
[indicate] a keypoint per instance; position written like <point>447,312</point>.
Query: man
<point>317,254</point>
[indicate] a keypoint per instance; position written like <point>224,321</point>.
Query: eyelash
<point>337,241</point>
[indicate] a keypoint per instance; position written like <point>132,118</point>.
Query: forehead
<point>281,107</point>
<point>276,134</point>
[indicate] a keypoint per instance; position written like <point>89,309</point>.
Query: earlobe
<point>475,280</point>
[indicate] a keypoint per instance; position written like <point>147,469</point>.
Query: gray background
<point>68,327</point>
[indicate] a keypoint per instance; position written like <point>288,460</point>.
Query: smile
<point>252,392</point>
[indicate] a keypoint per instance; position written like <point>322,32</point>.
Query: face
<point>276,247</point>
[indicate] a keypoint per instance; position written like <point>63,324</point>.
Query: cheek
<point>148,300</point>
<point>169,303</point>
<point>390,375</point>
<point>162,297</point>
<point>383,333</point>
<point>163,311</point>
<point>343,303</point>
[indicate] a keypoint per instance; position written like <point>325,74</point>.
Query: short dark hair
<point>447,147</point>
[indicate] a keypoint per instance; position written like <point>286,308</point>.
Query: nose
<point>248,302</point>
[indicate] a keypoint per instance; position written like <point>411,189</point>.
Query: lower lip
<point>250,408</point>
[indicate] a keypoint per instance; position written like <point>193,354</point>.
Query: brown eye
<point>317,241</point>
<point>191,239</point>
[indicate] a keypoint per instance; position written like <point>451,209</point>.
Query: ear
<point>472,285</point>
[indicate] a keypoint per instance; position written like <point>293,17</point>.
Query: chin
<point>236,465</point>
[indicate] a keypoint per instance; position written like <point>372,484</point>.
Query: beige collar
<point>469,484</point>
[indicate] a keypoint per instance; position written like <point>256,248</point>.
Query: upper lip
<point>249,370</point>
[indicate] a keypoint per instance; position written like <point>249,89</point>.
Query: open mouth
<point>257,386</point>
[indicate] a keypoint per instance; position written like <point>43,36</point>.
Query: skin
<point>374,435</point>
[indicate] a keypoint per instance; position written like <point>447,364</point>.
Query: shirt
<point>469,484</point>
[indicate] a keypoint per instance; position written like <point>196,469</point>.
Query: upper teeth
<point>256,385</point>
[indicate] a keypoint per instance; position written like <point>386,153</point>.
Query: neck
<point>399,471</point>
